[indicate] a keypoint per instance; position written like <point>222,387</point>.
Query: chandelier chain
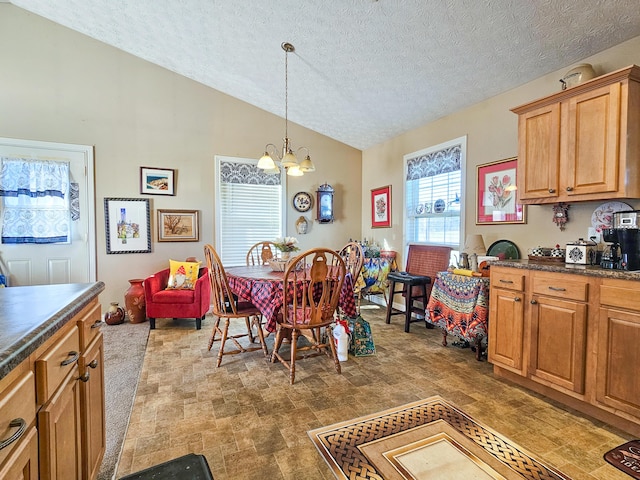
<point>286,94</point>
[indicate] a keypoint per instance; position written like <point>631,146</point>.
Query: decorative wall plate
<point>302,201</point>
<point>504,250</point>
<point>602,217</point>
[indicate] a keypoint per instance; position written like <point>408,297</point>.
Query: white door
<point>74,262</point>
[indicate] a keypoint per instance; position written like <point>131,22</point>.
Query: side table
<point>460,305</point>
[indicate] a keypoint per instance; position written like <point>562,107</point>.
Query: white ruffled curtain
<point>35,201</point>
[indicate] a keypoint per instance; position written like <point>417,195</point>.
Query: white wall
<point>60,86</point>
<point>492,135</point>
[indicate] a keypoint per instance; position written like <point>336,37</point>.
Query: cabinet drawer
<point>56,363</point>
<point>510,280</point>
<point>620,294</point>
<point>561,286</point>
<point>17,402</point>
<point>89,326</point>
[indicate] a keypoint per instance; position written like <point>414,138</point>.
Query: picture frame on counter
<point>157,181</point>
<point>178,226</point>
<point>496,194</point>
<point>127,225</point>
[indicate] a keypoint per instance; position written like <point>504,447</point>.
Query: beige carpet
<point>427,439</point>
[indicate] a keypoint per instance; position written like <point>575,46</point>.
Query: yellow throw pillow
<point>182,275</point>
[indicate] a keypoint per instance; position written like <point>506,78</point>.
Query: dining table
<point>264,287</point>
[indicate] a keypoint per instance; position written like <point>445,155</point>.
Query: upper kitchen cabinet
<point>583,143</point>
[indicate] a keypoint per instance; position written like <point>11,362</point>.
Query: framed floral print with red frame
<point>381,207</point>
<point>496,196</point>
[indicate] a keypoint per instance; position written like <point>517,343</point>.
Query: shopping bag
<point>361,344</point>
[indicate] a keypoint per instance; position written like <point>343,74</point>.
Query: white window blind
<point>434,194</point>
<point>250,208</point>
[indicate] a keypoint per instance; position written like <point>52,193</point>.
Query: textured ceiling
<point>363,71</point>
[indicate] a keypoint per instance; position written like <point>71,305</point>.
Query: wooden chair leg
<point>294,353</point>
<point>213,333</point>
<point>223,340</point>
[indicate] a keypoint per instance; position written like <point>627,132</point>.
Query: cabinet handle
<point>516,299</point>
<point>97,324</point>
<point>22,426</point>
<point>534,302</point>
<point>84,377</point>
<point>93,364</point>
<point>552,190</point>
<point>73,356</point>
<point>569,189</point>
<point>506,281</point>
<point>558,289</point>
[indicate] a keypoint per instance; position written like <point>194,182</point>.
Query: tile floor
<point>251,424</point>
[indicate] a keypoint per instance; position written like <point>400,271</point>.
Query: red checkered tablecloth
<point>263,287</point>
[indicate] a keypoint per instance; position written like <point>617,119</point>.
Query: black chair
<point>423,262</point>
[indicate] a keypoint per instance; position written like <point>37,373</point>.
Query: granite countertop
<point>31,315</point>
<point>561,267</point>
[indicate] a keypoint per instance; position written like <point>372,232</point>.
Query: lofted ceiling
<point>363,71</point>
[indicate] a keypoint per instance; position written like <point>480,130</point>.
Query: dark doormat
<point>626,457</point>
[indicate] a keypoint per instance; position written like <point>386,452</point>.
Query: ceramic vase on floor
<point>114,315</point>
<point>134,301</point>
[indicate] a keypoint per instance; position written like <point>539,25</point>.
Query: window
<point>434,184</point>
<point>250,207</point>
<point>36,206</point>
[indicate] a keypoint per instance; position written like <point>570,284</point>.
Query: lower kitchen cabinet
<point>577,337</point>
<point>617,382</point>
<point>506,327</point>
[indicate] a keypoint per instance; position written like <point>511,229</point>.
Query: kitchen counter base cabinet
<point>57,384</point>
<point>617,384</point>
<point>581,335</point>
<point>506,324</point>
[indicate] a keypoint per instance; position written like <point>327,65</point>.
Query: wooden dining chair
<point>353,257</point>
<point>260,253</point>
<point>312,284</point>
<point>226,307</point>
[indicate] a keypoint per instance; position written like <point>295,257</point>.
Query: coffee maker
<point>611,254</point>
<point>627,231</point>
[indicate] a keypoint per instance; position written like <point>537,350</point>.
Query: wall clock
<point>302,202</point>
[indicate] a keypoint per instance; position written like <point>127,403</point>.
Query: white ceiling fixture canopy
<point>287,159</point>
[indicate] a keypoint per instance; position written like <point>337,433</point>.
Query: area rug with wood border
<point>426,439</point>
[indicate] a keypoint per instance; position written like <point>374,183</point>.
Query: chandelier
<point>287,159</point>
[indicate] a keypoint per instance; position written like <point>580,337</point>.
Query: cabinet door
<point>593,142</point>
<point>506,319</point>
<point>557,352</point>
<point>92,407</point>
<point>617,381</point>
<point>22,464</point>
<point>539,152</point>
<point>59,427</point>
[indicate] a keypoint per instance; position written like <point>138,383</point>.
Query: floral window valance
<point>434,163</point>
<point>35,201</point>
<point>246,173</point>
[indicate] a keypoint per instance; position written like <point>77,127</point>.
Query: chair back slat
<point>353,257</point>
<point>223,303</point>
<point>312,284</point>
<point>260,253</point>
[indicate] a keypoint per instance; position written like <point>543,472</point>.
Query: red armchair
<point>162,303</point>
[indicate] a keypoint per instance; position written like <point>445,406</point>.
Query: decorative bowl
<point>278,265</point>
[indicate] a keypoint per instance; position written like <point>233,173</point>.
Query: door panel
<point>74,262</point>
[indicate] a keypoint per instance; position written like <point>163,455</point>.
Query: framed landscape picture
<point>381,207</point>
<point>178,226</point>
<point>157,181</point>
<point>127,225</point>
<point>496,200</point>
